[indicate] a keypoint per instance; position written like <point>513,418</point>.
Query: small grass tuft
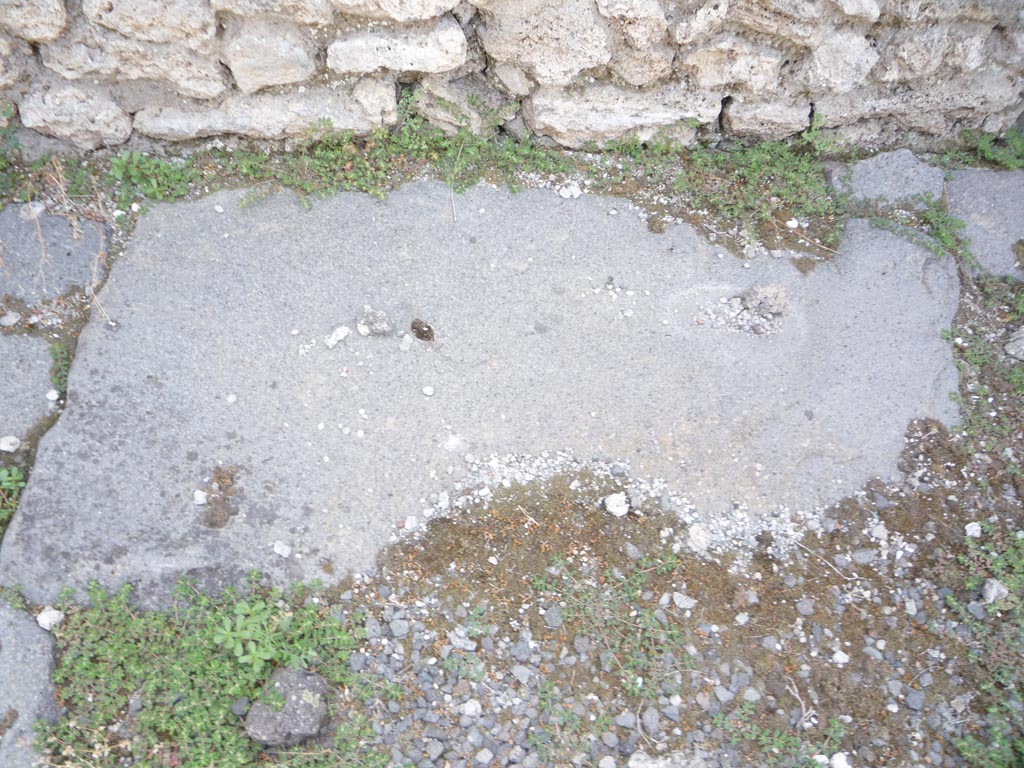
<point>12,482</point>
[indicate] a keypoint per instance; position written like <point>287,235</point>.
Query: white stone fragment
<point>282,549</point>
<point>199,498</point>
<point>53,395</point>
<point>993,591</point>
<point>9,443</point>
<point>49,617</point>
<point>428,391</point>
<point>617,504</point>
<point>339,334</point>
<point>840,657</point>
<point>683,602</point>
<point>973,530</point>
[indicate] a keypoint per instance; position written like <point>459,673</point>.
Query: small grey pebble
<point>553,617</point>
<point>625,720</point>
<point>805,607</point>
<point>914,700</point>
<point>240,707</point>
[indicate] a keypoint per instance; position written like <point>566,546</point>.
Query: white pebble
<point>218,208</point>
<point>617,504</point>
<point>49,617</point>
<point>792,223</point>
<point>973,530</point>
<point>9,443</point>
<point>338,334</point>
<point>742,618</point>
<point>839,657</point>
<point>53,395</point>
<point>428,391</point>
<point>232,398</point>
<point>199,498</point>
<point>282,549</point>
<point>839,761</point>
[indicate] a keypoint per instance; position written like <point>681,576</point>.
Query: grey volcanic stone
<point>304,712</point>
<point>989,202</point>
<point>43,263</point>
<point>26,692</point>
<point>890,176</point>
<point>218,358</point>
<point>25,363</point>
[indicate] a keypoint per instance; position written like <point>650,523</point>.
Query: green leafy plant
<point>777,747</point>
<point>135,173</point>
<point>1005,152</point>
<point>9,148</point>
<point>996,644</point>
<point>61,358</point>
<point>185,668</point>
<point>12,481</point>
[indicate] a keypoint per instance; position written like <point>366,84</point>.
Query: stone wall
<point>93,72</point>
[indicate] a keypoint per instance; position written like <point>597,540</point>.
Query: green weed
<point>12,481</point>
<point>778,748</point>
<point>184,668</point>
<point>1004,152</point>
<point>134,173</point>
<point>9,148</point>
<point>61,366</point>
<point>996,644</point>
<point>640,645</point>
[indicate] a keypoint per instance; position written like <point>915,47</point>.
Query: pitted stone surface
<point>557,326</point>
<point>990,203</point>
<point>24,382</point>
<point>40,256</point>
<point>890,176</point>
<point>26,693</point>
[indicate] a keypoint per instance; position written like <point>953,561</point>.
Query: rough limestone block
<point>841,62</point>
<point>644,67</point>
<point>772,120</point>
<point>891,176</point>
<point>734,61</point>
<point>553,42</point>
<point>312,12</point>
<point>395,10</point>
<point>989,202</point>
<point>795,21</point>
<point>605,112</point>
<point>33,20</point>
<point>469,103</point>
<point>931,107</point>
<point>370,103</point>
<point>702,23</point>
<point>14,54</point>
<point>908,54</point>
<point>643,21</point>
<point>26,691</point>
<point>84,115</point>
<point>261,53</point>
<point>91,51</point>
<point>156,21</point>
<point>862,10</point>
<point>439,48</point>
<point>25,361</point>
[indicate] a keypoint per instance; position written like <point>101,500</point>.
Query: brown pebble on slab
<point>422,331</point>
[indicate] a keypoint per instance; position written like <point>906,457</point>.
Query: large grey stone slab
<point>558,326</point>
<point>991,203</point>
<point>43,256</point>
<point>24,382</point>
<point>26,690</point>
<point>889,177</point>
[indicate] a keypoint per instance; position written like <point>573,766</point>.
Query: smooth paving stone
<point>42,257</point>
<point>991,203</point>
<point>889,176</point>
<point>24,382</point>
<point>557,327</point>
<point>26,691</point>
